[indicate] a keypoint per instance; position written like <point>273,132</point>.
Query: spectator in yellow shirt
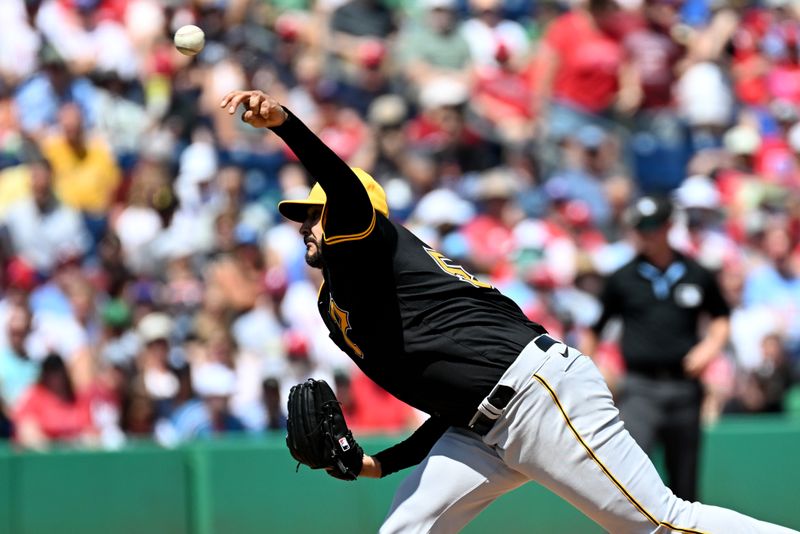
<point>85,172</point>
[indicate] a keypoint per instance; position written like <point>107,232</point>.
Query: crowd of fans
<point>150,289</point>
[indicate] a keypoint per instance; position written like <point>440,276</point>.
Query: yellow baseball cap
<point>297,210</point>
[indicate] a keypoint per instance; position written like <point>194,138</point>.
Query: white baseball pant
<point>562,430</point>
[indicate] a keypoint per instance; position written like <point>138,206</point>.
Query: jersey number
<point>447,265</point>
<point>342,320</point>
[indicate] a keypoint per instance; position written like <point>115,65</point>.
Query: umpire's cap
<point>297,210</point>
<point>649,213</point>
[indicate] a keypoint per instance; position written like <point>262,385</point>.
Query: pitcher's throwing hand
<point>260,109</point>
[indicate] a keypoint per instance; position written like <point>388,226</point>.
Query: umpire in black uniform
<point>664,300</point>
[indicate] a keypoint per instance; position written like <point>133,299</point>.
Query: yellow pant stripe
<point>605,469</point>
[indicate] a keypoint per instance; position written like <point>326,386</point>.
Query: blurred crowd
<point>148,287</point>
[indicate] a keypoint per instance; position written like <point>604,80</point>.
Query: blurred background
<point>149,289</point>
<point>151,297</point>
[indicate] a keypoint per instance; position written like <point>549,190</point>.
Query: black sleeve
<point>413,449</point>
<point>348,210</point>
<point>610,301</point>
<point>714,303</point>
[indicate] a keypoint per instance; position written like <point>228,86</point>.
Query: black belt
<point>500,396</point>
<point>660,373</point>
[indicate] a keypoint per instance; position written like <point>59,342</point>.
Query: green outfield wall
<point>249,485</point>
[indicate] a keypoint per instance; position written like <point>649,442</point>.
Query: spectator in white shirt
<point>486,29</point>
<point>19,40</point>
<point>40,227</point>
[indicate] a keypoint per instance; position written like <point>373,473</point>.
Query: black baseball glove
<point>317,433</point>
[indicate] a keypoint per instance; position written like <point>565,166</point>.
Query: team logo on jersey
<point>453,269</point>
<point>342,319</point>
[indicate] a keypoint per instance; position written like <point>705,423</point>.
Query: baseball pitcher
<point>507,403</point>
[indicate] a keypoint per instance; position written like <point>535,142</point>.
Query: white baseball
<point>189,40</point>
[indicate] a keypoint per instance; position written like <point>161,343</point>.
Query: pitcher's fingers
<point>236,100</point>
<point>228,97</point>
<point>266,106</point>
<point>247,115</point>
<point>255,100</point>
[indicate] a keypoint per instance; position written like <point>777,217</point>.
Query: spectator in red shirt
<point>584,71</point>
<point>780,45</point>
<point>750,65</point>
<point>51,410</point>
<point>442,129</point>
<point>339,126</point>
<point>489,235</point>
<point>660,141</point>
<point>774,161</point>
<point>369,408</point>
<point>503,95</point>
<point>654,53</point>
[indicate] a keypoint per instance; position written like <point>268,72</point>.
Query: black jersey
<point>418,324</point>
<point>415,322</point>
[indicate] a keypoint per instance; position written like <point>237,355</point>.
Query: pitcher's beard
<point>314,259</point>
